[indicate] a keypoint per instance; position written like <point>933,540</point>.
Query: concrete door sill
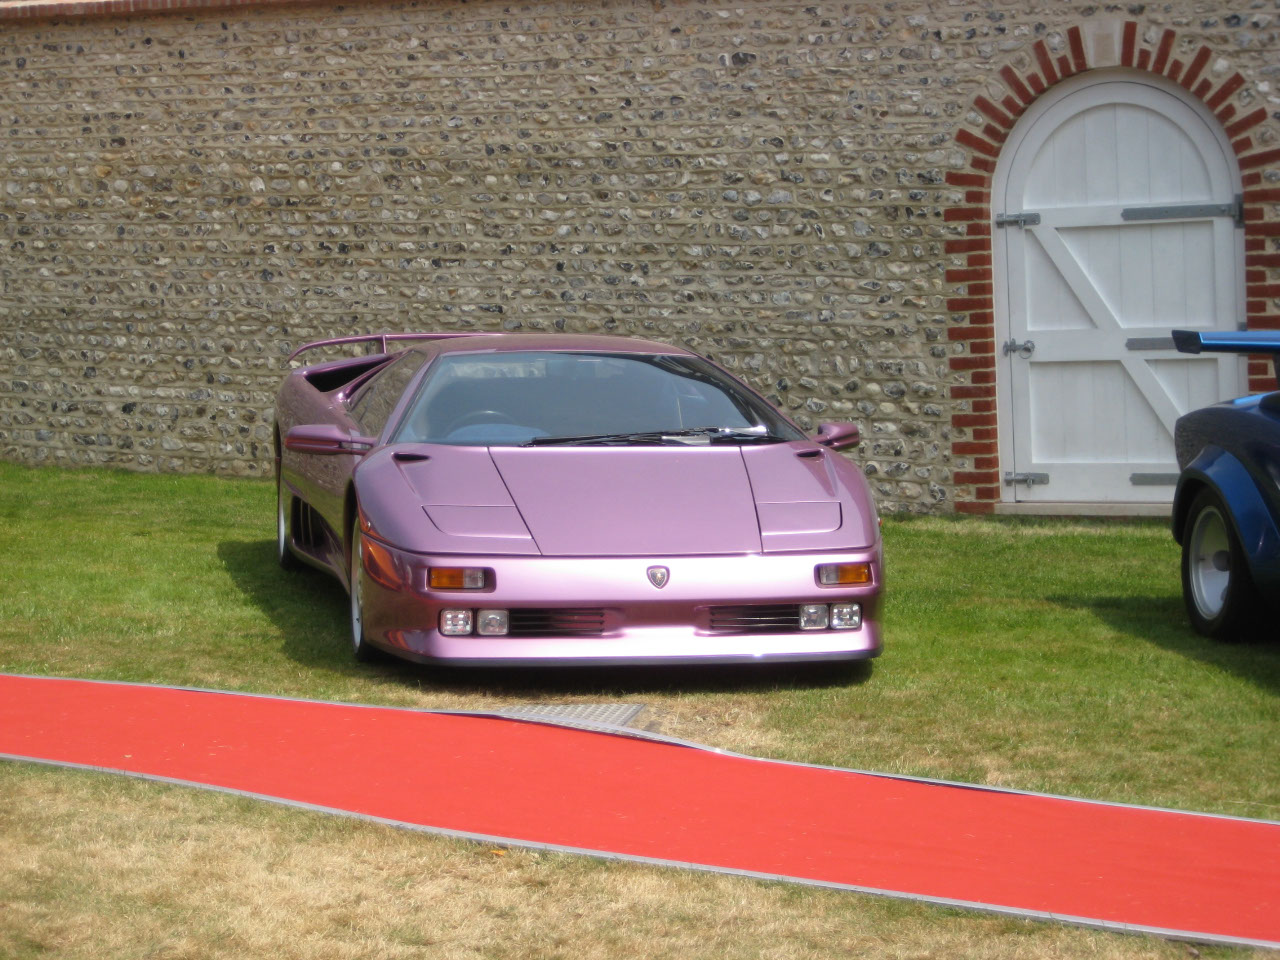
<point>1106,509</point>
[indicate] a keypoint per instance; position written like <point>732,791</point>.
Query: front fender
<point>1247,511</point>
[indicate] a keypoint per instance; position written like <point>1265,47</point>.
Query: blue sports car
<point>1226,509</point>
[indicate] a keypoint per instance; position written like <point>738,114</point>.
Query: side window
<point>374,404</point>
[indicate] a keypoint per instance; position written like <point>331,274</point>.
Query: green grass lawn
<point>1038,654</point>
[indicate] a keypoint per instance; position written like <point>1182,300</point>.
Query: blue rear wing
<point>1231,341</point>
<point>1227,341</point>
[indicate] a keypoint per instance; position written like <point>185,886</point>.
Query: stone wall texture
<point>799,190</point>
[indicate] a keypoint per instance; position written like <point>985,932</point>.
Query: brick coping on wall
<point>1114,44</point>
<point>32,9</point>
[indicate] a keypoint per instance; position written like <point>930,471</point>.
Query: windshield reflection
<point>511,399</point>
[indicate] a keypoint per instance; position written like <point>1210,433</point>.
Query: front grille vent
<point>557,622</point>
<point>756,618</point>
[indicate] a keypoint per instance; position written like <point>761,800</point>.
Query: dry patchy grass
<point>99,867</point>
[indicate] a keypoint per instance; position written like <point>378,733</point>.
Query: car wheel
<point>360,648</point>
<point>284,556</point>
<point>1219,594</point>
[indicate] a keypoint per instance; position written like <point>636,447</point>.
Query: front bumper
<point>638,622</point>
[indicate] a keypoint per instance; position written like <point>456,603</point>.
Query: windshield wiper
<point>755,434</point>
<point>758,433</point>
<point>604,438</point>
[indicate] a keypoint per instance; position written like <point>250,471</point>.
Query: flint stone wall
<point>186,197</point>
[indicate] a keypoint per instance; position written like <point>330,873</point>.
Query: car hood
<point>632,501</point>
<point>617,501</point>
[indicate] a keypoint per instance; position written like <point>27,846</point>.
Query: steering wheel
<point>478,416</point>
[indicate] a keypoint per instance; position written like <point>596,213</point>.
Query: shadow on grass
<point>309,608</point>
<point>1161,620</point>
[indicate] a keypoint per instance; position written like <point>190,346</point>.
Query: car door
<point>364,413</point>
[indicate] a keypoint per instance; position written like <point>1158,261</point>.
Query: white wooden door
<point>1098,282</point>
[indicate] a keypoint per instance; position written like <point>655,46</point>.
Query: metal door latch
<point>1017,219</point>
<point>1030,479</point>
<point>1024,349</point>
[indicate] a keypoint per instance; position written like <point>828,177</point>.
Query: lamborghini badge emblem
<point>659,576</point>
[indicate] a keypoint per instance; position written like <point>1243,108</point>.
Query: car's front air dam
<point>639,645</point>
<point>641,623</point>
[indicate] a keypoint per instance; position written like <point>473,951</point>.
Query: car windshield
<point>551,397</point>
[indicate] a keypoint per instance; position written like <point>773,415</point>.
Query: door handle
<point>1024,349</point>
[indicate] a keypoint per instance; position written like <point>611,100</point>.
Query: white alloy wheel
<point>282,547</point>
<point>357,599</point>
<point>359,647</point>
<point>1217,589</point>
<point>1210,562</point>
<point>284,556</point>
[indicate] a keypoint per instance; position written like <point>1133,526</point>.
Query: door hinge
<point>1030,479</point>
<point>1188,211</point>
<point>1017,219</point>
<point>1149,343</point>
<point>1024,349</point>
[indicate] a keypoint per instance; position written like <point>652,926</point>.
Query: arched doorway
<point>1117,203</point>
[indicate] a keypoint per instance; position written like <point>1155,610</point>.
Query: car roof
<point>571,342</point>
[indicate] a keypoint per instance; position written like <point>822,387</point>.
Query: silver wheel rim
<point>357,599</point>
<point>282,545</point>
<point>1210,563</point>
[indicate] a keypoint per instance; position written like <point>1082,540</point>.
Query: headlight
<point>846,616</point>
<point>814,616</point>
<point>492,623</point>
<point>455,623</point>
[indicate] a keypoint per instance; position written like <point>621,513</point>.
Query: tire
<point>284,504</point>
<point>1219,594</point>
<point>360,647</point>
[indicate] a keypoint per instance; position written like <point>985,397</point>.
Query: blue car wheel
<point>1219,594</point>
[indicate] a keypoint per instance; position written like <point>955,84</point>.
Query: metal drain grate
<point>588,716</point>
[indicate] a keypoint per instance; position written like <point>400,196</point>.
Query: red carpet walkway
<point>1201,877</point>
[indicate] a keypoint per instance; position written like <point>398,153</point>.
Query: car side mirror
<point>326,439</point>
<point>838,436</point>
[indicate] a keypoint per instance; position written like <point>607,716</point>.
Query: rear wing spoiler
<point>382,339</point>
<point>1231,341</point>
<point>1227,341</point>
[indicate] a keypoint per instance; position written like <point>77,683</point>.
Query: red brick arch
<point>972,328</point>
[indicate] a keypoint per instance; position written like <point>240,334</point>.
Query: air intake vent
<point>305,525</point>
<point>756,618</point>
<point>557,622</point>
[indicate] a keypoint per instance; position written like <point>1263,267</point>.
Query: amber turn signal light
<point>455,578</point>
<point>844,574</point>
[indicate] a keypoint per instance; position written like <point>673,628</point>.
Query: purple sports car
<point>498,499</point>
